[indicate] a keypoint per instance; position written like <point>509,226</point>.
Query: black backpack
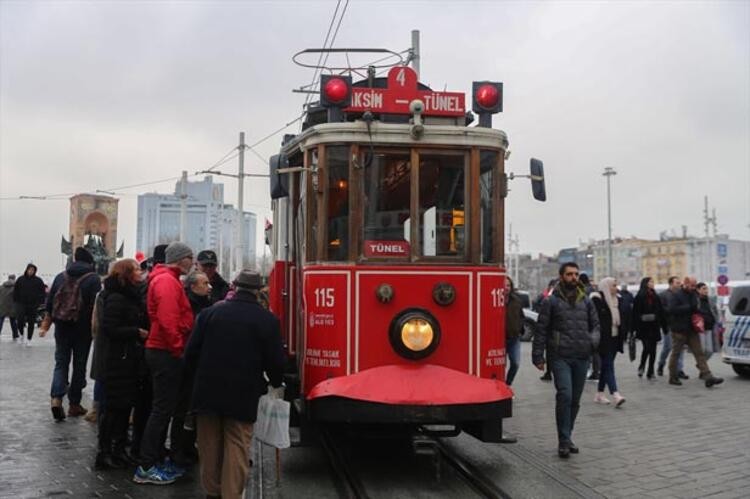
<point>68,302</point>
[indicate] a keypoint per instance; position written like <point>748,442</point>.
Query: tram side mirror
<point>538,188</point>
<point>279,181</point>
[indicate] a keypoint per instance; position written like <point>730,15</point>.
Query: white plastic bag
<point>272,424</point>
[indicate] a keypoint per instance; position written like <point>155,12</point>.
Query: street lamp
<point>609,172</point>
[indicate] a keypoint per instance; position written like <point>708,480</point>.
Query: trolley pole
<point>415,51</point>
<point>240,204</point>
<point>609,172</point>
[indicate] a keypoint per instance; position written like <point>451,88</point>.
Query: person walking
<point>207,263</point>
<point>537,307</point>
<point>568,329</point>
<point>70,304</point>
<point>613,334</point>
<point>648,321</point>
<point>28,295</point>
<point>233,345</point>
<point>513,330</point>
<point>595,359</point>
<point>710,315</point>
<point>171,320</point>
<point>122,329</point>
<point>8,306</point>
<point>683,304</point>
<point>675,284</point>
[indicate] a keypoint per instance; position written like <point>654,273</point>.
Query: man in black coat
<point>28,294</point>
<point>73,338</point>
<point>233,343</point>
<point>682,305</point>
<point>207,262</point>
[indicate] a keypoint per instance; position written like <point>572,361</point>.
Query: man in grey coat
<point>568,327</point>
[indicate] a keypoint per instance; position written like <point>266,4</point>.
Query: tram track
<point>473,477</point>
<point>347,482</point>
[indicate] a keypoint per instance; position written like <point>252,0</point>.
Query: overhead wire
<point>320,57</point>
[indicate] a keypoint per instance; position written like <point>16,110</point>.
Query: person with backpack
<point>70,305</point>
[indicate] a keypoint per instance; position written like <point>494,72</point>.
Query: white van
<point>736,349</point>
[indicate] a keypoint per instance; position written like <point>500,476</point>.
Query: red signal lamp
<point>487,96</point>
<point>335,91</point>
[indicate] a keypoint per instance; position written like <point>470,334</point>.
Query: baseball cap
<point>207,257</point>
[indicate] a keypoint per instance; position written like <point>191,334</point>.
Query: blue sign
<point>723,269</point>
<point>721,250</point>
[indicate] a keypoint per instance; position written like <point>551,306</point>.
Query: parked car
<point>736,349</point>
<point>529,316</point>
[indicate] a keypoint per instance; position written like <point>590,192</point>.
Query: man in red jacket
<point>171,322</point>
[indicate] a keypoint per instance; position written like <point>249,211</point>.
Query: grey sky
<point>96,95</point>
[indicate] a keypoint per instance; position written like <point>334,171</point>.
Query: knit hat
<point>248,279</point>
<point>83,255</point>
<point>176,251</point>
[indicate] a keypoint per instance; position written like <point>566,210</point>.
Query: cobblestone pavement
<point>664,442</point>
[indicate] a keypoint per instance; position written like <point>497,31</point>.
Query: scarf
<point>604,288</point>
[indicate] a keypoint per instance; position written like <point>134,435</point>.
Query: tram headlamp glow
<point>414,333</point>
<point>417,334</point>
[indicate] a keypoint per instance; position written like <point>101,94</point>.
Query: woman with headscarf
<point>612,337</point>
<point>648,321</point>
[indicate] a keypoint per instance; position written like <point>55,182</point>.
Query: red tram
<point>388,247</point>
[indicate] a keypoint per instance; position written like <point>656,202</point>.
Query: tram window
<point>337,162</point>
<point>488,219</point>
<point>441,205</point>
<point>387,191</point>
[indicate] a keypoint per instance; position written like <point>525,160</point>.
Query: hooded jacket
<point>29,291</point>
<point>88,288</point>
<point>566,330</point>
<point>7,307</point>
<point>168,311</point>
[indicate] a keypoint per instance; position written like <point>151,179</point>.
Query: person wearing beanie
<point>28,295</point>
<point>171,320</point>
<point>234,343</point>
<point>73,293</point>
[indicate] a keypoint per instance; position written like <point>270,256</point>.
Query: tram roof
<point>397,134</point>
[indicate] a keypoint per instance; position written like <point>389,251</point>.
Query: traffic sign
<point>722,291</point>
<point>722,279</point>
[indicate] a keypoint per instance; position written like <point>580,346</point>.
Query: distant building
<point>535,273</point>
<point>626,260</point>
<point>211,224</point>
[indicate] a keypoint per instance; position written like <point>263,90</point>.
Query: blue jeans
<point>513,351</point>
<point>569,376</point>
<point>666,349</point>
<point>607,375</point>
<point>76,344</point>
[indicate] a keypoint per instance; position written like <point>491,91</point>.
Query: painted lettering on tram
<point>318,357</point>
<point>369,100</point>
<point>446,103</point>
<point>386,248</point>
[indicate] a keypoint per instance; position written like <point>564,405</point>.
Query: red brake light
<point>336,90</point>
<point>487,96</point>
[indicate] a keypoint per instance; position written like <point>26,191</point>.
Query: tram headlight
<point>414,333</point>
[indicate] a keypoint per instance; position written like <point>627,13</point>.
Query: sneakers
<point>675,381</point>
<point>155,475</point>
<point>618,399</point>
<point>563,451</point>
<point>573,448</point>
<point>75,410</point>
<point>682,375</point>
<point>173,468</point>
<point>57,409</point>
<point>713,380</point>
<point>593,377</point>
<point>660,371</point>
<point>600,398</point>
<point>640,372</point>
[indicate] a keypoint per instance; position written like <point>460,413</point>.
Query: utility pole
<point>240,205</point>
<point>609,173</point>
<point>183,206</point>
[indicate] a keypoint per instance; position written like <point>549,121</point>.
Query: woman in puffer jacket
<point>123,322</point>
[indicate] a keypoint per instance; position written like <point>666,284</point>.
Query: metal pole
<point>415,51</point>
<point>240,206</point>
<point>609,172</point>
<point>183,206</point>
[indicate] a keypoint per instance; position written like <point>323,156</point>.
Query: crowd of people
<point>179,354</point>
<point>582,326</point>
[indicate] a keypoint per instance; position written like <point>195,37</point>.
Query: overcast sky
<point>98,95</point>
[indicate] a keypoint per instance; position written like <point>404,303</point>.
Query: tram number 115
<point>324,297</point>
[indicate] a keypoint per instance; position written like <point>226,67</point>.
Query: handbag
<point>697,322</point>
<point>272,424</point>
